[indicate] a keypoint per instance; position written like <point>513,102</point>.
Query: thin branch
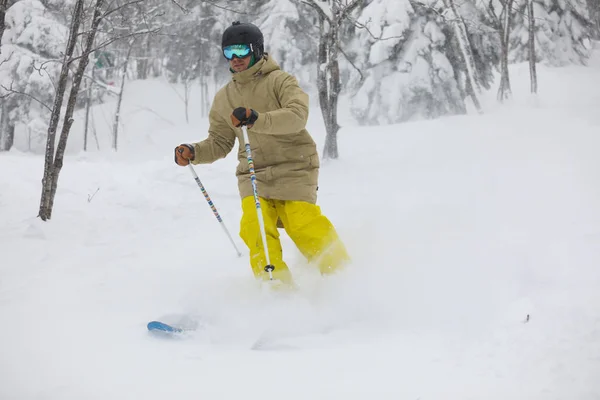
<point>311,3</point>
<point>349,8</point>
<point>362,77</point>
<point>101,84</point>
<point>109,5</point>
<point>7,59</point>
<point>129,3</point>
<point>360,25</point>
<point>182,8</point>
<point>429,7</point>
<point>112,40</point>
<point>228,9</point>
<point>11,91</point>
<point>155,113</point>
<point>91,197</point>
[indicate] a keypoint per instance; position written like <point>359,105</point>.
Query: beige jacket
<point>285,156</point>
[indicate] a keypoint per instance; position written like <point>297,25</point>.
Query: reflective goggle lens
<point>236,50</point>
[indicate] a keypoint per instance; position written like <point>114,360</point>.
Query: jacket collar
<point>265,65</point>
<point>249,74</point>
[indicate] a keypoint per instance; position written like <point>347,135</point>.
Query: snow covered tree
<point>288,32</point>
<point>483,43</point>
<point>33,37</point>
<point>193,51</point>
<point>149,15</point>
<point>408,76</point>
<point>457,22</point>
<point>562,32</point>
<point>332,14</point>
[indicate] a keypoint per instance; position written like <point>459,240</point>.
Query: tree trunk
<point>460,30</point>
<point>187,87</point>
<point>532,68</point>
<point>94,131</point>
<point>504,91</point>
<point>594,11</point>
<point>7,129</point>
<point>3,7</point>
<point>10,136</point>
<point>142,62</point>
<point>203,91</point>
<point>68,119</point>
<point>5,132</point>
<point>323,83</point>
<point>7,136</point>
<point>88,106</point>
<point>334,86</point>
<point>120,99</point>
<point>45,203</point>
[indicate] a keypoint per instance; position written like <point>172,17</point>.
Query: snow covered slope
<point>459,228</point>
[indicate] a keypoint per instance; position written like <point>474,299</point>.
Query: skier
<point>273,107</point>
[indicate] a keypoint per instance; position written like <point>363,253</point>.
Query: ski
<point>157,326</point>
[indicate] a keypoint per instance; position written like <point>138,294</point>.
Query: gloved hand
<point>184,154</point>
<point>243,116</point>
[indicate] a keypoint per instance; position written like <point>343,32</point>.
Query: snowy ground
<point>459,228</point>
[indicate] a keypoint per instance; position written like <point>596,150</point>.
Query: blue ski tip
<point>162,327</point>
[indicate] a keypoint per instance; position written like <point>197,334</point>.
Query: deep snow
<point>459,228</point>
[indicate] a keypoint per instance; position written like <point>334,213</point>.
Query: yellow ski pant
<point>311,231</point>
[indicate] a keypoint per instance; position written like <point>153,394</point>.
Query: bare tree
<point>120,97</point>
<point>54,159</point>
<point>332,13</point>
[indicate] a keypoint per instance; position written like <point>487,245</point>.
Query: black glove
<point>184,153</point>
<point>243,116</point>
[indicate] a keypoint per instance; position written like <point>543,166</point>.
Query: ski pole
<point>261,222</point>
<point>212,206</point>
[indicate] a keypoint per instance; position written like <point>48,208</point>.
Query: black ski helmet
<point>244,33</point>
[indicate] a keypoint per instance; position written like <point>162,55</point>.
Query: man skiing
<point>273,107</point>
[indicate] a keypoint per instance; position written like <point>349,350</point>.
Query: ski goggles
<point>237,50</point>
